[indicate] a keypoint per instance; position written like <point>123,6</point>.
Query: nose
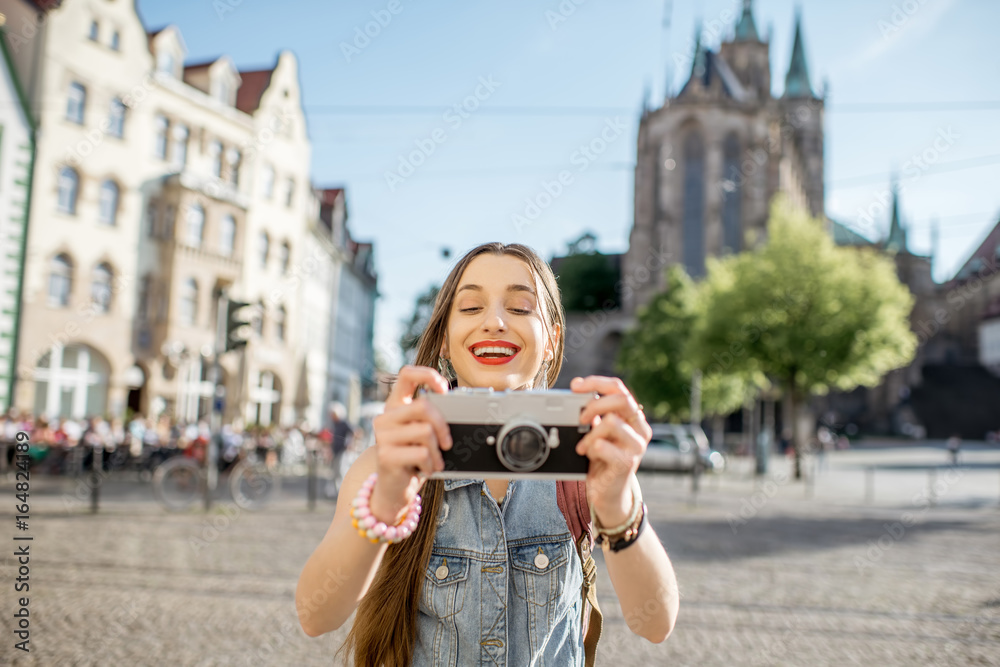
<point>493,318</point>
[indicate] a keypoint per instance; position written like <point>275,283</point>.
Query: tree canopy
<point>418,321</point>
<point>804,313</point>
<point>656,363</point>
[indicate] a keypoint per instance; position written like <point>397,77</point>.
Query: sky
<point>497,98</point>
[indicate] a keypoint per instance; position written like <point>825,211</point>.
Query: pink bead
<point>362,512</point>
<point>364,492</point>
<point>403,532</point>
<point>367,522</point>
<point>391,533</point>
<point>379,528</point>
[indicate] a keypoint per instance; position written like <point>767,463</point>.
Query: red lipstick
<point>494,360</point>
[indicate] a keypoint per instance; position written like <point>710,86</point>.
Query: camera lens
<point>523,448</point>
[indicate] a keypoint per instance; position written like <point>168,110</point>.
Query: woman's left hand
<point>615,444</point>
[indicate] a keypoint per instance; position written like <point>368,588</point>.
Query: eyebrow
<point>515,287</point>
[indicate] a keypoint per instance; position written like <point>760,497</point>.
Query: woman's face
<point>495,335</point>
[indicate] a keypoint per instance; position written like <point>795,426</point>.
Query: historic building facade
<point>159,186</point>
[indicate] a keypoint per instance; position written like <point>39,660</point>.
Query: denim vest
<point>503,583</point>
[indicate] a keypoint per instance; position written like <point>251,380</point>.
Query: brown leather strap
<point>593,623</point>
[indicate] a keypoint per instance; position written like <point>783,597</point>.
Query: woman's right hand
<point>409,437</point>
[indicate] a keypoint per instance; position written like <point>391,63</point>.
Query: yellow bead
<point>354,522</point>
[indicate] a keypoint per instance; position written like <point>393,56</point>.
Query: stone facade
<point>158,186</point>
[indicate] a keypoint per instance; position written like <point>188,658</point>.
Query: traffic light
<point>237,325</point>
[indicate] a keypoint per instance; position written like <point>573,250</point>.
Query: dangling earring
<point>543,373</point>
<point>446,369</point>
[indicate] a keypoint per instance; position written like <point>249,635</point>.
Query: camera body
<point>513,434</point>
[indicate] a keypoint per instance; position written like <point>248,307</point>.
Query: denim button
<point>541,561</point>
<point>441,572</point>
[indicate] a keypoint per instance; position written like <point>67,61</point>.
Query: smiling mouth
<point>495,353</point>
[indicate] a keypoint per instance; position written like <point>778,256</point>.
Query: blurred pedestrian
<point>340,437</point>
<point>954,445</point>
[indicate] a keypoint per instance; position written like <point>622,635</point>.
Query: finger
<point>600,384</point>
<point>416,434</point>
<point>412,377</point>
<point>414,460</point>
<point>420,410</point>
<point>623,404</point>
<point>618,432</point>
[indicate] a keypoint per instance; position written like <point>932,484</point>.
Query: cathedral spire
<point>699,64</point>
<point>897,234</point>
<point>797,79</point>
<point>746,29</point>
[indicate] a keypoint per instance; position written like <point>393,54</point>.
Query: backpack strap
<point>572,499</point>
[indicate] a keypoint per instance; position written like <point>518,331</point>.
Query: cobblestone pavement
<point>768,576</point>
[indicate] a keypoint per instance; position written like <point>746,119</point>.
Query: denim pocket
<point>540,570</point>
<point>445,585</point>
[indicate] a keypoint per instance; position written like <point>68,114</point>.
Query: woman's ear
<point>444,348</point>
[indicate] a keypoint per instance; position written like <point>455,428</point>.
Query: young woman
<point>490,574</point>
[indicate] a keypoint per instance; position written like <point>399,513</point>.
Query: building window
<point>95,31</point>
<point>152,221</point>
<point>285,255</point>
<point>116,118</point>
<point>142,308</point>
<point>76,101</point>
<point>215,153</point>
<point>694,205</point>
<point>264,406</point>
<point>268,182</point>
<point>107,211</point>
<point>194,225</point>
<point>162,132</point>
<point>279,323</point>
<point>100,287</point>
<point>257,319</point>
<point>60,280</point>
<point>227,236</point>
<point>732,191</point>
<point>71,382</point>
<point>189,302</point>
<point>165,62</point>
<point>180,136</point>
<point>264,248</point>
<point>289,192</point>
<point>234,158</point>
<point>169,217</point>
<point>116,40</point>
<point>69,187</point>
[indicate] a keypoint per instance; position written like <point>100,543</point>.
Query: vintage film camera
<point>512,434</point>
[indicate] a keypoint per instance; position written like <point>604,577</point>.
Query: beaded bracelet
<point>375,531</point>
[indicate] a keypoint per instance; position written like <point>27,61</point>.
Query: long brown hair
<point>385,626</point>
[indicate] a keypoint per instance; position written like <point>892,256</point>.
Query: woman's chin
<point>495,381</point>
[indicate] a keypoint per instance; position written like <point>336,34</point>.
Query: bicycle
<point>179,483</point>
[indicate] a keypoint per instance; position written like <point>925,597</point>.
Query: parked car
<point>679,448</point>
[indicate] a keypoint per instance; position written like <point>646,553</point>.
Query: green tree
<point>587,282</point>
<point>805,314</point>
<point>418,321</point>
<point>655,361</point>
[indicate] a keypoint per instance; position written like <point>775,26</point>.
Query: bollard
<point>95,479</point>
<point>931,479</point>
<point>311,479</point>
<point>695,479</point>
<point>870,484</point>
